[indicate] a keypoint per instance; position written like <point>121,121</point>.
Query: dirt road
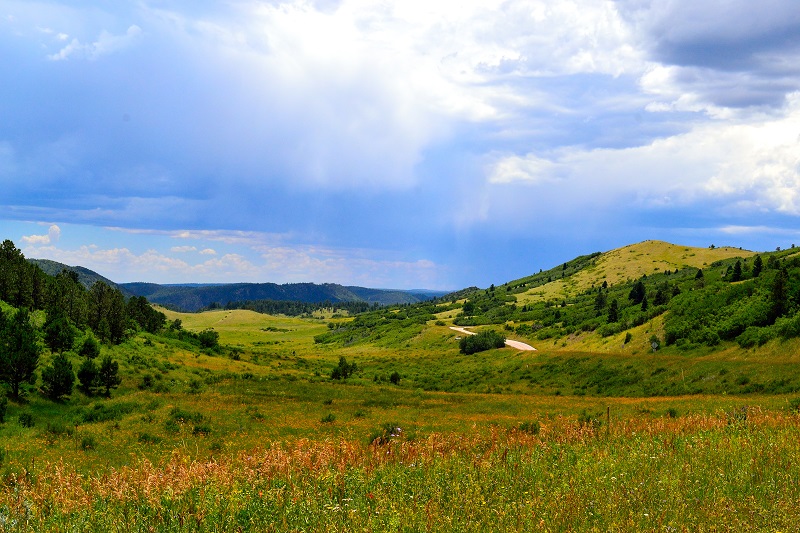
<point>513,344</point>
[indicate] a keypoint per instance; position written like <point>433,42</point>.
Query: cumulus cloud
<point>276,264</point>
<point>749,167</point>
<point>52,237</point>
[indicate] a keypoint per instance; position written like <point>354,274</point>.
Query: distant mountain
<point>194,297</point>
<point>86,277</point>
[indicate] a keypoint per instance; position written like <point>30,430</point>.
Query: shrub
<point>344,369</point>
<point>395,378</point>
<point>485,340</point>
<point>201,430</point>
<point>384,434</point>
<point>147,382</point>
<point>147,438</point>
<point>530,427</point>
<point>3,408</point>
<point>753,336</point>
<point>208,338</point>
<point>88,443</point>
<point>606,330</point>
<point>26,420</point>
<point>328,419</point>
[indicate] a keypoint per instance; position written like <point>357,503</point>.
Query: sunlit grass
<point>700,472</point>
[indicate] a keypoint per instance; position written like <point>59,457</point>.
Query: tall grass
<point>734,472</point>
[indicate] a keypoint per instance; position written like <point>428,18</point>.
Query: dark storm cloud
<point>732,54</point>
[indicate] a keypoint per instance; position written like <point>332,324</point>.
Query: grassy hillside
<point>622,265</point>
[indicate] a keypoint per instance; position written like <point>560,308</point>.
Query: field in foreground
<point>701,473</point>
<point>262,439</point>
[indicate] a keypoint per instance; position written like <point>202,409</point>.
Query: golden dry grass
<point>629,263</point>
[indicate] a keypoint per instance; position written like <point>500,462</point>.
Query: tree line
<point>66,315</point>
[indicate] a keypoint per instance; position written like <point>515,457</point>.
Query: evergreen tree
<point>613,312</point>
<point>19,351</point>
<point>90,347</point>
<point>58,378</point>
<point>107,312</point>
<point>637,293</point>
<point>644,303</point>
<point>699,279</point>
<point>758,266</point>
<point>737,271</point>
<point>66,296</point>
<point>600,302</point>
<point>59,334</point>
<point>88,375</point>
<point>108,374</point>
<point>779,295</point>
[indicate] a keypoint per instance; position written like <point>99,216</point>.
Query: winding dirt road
<point>513,344</point>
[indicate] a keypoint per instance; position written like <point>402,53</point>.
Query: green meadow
<point>258,437</point>
<point>378,422</point>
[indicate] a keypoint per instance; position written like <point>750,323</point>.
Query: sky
<point>431,144</point>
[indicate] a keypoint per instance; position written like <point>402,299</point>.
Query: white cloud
<point>52,237</point>
<point>105,44</point>
<point>283,264</point>
<point>748,165</point>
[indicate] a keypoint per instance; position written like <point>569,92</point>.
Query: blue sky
<point>408,144</point>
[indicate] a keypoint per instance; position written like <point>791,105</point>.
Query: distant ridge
<point>86,277</point>
<point>195,297</point>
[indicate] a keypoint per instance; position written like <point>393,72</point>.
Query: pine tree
<point>613,312</point>
<point>637,293</point>
<point>758,266</point>
<point>108,375</point>
<point>58,378</point>
<point>19,351</point>
<point>88,375</point>
<point>779,296</point>
<point>737,271</point>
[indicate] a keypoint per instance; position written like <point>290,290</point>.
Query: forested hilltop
<point>193,298</point>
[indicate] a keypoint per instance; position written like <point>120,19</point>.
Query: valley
<point>231,420</point>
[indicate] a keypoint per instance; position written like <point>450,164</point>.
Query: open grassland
<point>260,438</point>
<point>698,473</point>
